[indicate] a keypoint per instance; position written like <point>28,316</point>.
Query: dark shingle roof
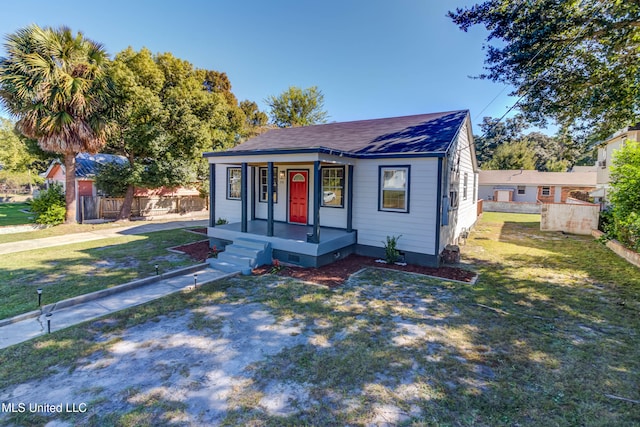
<point>411,135</point>
<point>87,164</point>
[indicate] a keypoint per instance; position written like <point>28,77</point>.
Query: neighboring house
<point>531,186</point>
<point>606,153</point>
<point>319,193</point>
<point>86,169</point>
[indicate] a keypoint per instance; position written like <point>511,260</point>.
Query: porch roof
<point>425,135</point>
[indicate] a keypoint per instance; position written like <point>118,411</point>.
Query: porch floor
<point>287,237</point>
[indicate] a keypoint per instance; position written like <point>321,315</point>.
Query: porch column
<point>243,197</point>
<point>317,201</point>
<point>270,199</point>
<point>212,194</point>
<point>350,198</point>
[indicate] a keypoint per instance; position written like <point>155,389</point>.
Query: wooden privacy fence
<point>109,207</point>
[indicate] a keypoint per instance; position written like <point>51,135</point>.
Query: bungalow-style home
<point>606,153</point>
<point>316,194</point>
<point>86,169</point>
<point>531,186</point>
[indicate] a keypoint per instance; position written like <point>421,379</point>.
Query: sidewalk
<point>91,306</point>
<point>138,227</point>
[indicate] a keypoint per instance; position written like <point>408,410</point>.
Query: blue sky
<point>370,58</point>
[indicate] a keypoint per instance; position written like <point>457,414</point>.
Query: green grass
<point>66,271</point>
<point>10,214</point>
<point>547,335</point>
<point>59,230</point>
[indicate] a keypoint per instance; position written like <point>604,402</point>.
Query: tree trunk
<point>70,190</point>
<point>125,210</point>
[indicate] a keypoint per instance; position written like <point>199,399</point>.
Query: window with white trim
<point>394,188</point>
<point>465,186</point>
<point>546,191</point>
<point>333,186</point>
<point>234,183</point>
<point>264,173</point>
<point>521,189</point>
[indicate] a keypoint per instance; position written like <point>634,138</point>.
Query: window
<point>465,186</point>
<point>234,180</point>
<point>475,187</point>
<point>394,188</point>
<point>264,173</point>
<point>521,189</point>
<point>453,200</point>
<point>546,191</point>
<point>333,186</point>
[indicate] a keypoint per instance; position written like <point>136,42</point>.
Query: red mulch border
<point>334,274</point>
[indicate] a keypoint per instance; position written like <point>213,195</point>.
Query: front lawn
<point>547,336</point>
<point>66,271</point>
<point>11,214</point>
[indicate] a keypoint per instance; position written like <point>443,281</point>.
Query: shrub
<point>49,207</point>
<point>391,249</point>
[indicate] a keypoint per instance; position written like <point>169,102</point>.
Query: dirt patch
<point>336,273</point>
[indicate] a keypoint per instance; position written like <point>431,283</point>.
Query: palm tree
<point>57,86</point>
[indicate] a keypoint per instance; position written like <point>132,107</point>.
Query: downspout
<point>438,227</point>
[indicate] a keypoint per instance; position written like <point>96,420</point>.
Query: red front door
<point>298,196</point>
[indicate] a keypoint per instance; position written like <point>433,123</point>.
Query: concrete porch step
<point>229,267</point>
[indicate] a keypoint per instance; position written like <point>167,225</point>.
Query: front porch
<point>289,241</point>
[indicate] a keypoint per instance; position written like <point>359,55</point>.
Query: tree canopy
<point>297,107</point>
<point>169,113</point>
<point>57,85</point>
<point>625,194</point>
<point>576,62</point>
<point>504,145</point>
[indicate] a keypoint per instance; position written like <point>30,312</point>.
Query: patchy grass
<point>11,214</point>
<point>66,271</point>
<point>546,337</point>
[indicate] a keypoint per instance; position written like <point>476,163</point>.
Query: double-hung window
<point>234,183</point>
<point>333,186</point>
<point>394,188</point>
<point>264,173</point>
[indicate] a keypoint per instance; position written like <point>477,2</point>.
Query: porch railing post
<point>317,200</point>
<point>270,199</point>
<point>244,196</point>
<point>212,194</point>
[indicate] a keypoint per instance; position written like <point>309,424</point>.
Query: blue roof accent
<point>87,164</point>
<point>421,135</point>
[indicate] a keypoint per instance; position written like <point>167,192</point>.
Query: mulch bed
<point>336,273</point>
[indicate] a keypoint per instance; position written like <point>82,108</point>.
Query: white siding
<point>465,216</point>
<point>418,226</point>
<point>225,208</point>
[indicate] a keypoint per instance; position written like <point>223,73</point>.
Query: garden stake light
<point>48,323</point>
<point>195,281</point>
<point>39,297</point>
<point>157,270</point>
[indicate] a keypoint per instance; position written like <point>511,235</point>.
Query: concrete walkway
<point>140,227</point>
<point>91,306</point>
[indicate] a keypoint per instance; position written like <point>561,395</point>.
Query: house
<point>316,194</point>
<point>606,153</point>
<point>86,169</point>
<point>534,187</point>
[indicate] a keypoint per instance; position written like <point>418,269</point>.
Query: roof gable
<point>411,135</point>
